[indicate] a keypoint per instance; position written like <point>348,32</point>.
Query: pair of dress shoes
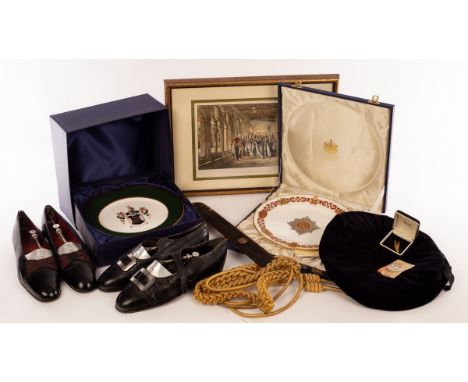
<point>45,257</point>
<point>161,269</point>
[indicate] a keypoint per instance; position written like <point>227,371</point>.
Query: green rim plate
<point>175,208</point>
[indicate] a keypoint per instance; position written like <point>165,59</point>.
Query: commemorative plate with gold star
<point>296,221</point>
<point>135,209</point>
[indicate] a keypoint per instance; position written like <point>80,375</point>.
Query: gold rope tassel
<point>231,288</point>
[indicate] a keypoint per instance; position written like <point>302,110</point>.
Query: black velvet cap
<point>351,253</point>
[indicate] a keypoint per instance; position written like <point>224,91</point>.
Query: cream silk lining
<point>334,148</point>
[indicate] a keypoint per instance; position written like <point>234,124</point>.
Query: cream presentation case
<point>331,146</point>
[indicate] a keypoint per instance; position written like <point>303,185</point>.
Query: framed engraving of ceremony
<point>225,131</point>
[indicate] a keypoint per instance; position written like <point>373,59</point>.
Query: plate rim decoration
<point>262,212</point>
<point>173,203</point>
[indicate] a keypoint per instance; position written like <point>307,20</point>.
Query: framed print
<point>225,131</point>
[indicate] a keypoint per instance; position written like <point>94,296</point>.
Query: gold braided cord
<point>233,288</point>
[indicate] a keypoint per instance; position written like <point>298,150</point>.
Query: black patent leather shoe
<point>75,264</point>
<point>37,267</point>
<point>165,279</point>
<point>118,275</point>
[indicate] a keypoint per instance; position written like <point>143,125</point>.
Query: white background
<point>359,29</point>
<point>428,171</point>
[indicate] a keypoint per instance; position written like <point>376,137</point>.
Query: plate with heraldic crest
<point>135,209</point>
<point>296,221</point>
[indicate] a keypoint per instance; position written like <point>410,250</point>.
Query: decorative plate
<point>296,221</point>
<point>135,209</point>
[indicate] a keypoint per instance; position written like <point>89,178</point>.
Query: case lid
<point>124,138</point>
<point>405,226</point>
<point>335,145</point>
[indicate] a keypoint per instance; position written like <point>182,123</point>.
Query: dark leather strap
<point>237,240</point>
<point>180,270</point>
<point>241,243</point>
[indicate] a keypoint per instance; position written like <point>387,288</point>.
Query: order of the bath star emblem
<point>303,225</point>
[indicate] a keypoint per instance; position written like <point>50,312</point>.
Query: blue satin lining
<point>108,248</point>
<point>128,147</point>
<point>120,154</point>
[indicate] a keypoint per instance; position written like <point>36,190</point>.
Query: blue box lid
<point>119,139</point>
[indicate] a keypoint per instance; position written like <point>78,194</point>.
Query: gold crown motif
<point>330,147</point>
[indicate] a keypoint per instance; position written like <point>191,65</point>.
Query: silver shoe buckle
<point>126,262</point>
<point>143,279</point>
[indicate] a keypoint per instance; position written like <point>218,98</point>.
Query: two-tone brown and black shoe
<point>38,270</point>
<point>74,262</point>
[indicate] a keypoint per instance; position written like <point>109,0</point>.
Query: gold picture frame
<point>224,131</point>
